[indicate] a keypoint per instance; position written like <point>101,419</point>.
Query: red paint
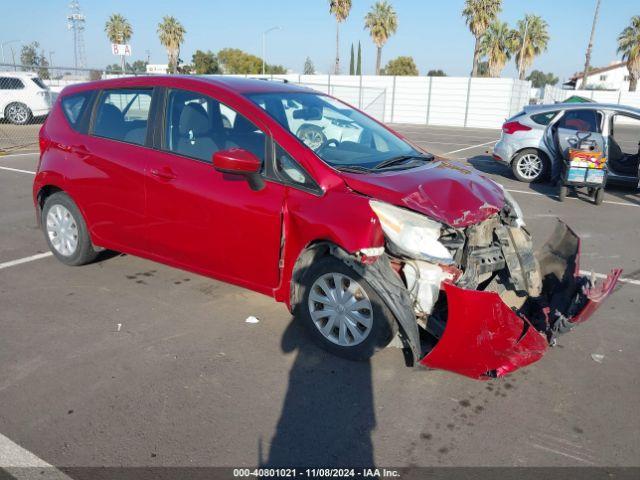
<point>236,160</point>
<point>483,335</point>
<point>450,192</point>
<point>512,127</point>
<point>597,294</point>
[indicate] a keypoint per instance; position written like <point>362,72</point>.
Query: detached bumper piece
<point>485,338</point>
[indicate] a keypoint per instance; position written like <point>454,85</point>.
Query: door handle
<point>164,174</point>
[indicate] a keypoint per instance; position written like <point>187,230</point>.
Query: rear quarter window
<point>74,108</point>
<point>9,83</point>
<point>543,118</point>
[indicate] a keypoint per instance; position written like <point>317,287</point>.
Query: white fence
<point>446,101</point>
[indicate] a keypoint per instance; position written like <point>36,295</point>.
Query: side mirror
<point>238,161</point>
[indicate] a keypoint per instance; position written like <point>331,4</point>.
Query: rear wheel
<point>562,193</point>
<point>65,231</point>
<point>598,198</point>
<point>529,166</point>
<point>341,311</point>
<point>18,113</point>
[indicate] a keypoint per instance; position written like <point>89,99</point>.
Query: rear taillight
<point>513,127</point>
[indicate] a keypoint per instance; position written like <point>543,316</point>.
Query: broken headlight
<point>411,234</point>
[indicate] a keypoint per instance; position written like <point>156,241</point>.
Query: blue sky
<point>432,31</point>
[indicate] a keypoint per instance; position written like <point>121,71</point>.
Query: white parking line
<point>20,463</point>
<point>19,261</point>
<point>18,154</point>
<point>610,202</point>
<point>630,281</point>
<point>472,146</point>
<point>17,170</point>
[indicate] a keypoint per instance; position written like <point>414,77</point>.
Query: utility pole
<point>51,52</point>
<point>590,46</point>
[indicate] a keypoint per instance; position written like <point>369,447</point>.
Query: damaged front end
<point>477,300</point>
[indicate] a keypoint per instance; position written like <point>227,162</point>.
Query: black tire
<point>21,116</point>
<point>383,326</point>
<point>562,192</point>
<point>598,198</point>
<point>524,155</point>
<point>84,252</point>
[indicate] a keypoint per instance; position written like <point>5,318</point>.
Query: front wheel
<point>341,311</point>
<point>598,198</point>
<point>529,166</point>
<point>562,193</point>
<point>18,113</point>
<point>65,231</point>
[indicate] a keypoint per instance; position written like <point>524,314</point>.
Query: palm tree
<point>339,9</point>
<point>529,40</point>
<point>171,33</point>
<point>629,47</point>
<point>496,46</point>
<point>118,30</point>
<point>479,14</point>
<point>382,22</point>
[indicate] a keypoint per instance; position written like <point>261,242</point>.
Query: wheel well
<point>310,254</point>
<point>46,192</point>
<point>540,152</point>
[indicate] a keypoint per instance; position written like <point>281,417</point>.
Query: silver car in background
<point>534,142</point>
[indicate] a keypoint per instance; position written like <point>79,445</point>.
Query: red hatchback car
<point>294,194</point>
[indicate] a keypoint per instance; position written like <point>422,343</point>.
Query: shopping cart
<point>585,167</point>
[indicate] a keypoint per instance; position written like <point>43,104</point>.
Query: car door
<point>110,168</point>
<point>205,220</point>
<point>573,122</point>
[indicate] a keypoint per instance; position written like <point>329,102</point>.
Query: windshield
<point>338,134</point>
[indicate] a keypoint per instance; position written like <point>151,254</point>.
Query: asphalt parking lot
<point>126,362</point>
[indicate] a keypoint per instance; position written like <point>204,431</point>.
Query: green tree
<point>436,73</point>
<point>139,66</point>
<point>382,22</point>
<point>34,61</point>
<point>479,14</point>
<point>235,61</point>
<point>309,67</point>
<point>118,30</point>
<point>352,62</point>
<point>359,60</point>
<point>339,9</point>
<point>540,79</point>
<point>529,40</point>
<point>171,34</point>
<point>205,63</point>
<point>401,66</point>
<point>496,45</point>
<point>629,47</point>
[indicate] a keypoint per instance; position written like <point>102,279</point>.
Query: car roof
<point>237,85</point>
<point>18,74</point>
<point>581,106</point>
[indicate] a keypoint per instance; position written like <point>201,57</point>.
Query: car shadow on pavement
<point>328,414</point>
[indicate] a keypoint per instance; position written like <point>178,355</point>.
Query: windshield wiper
<point>402,158</point>
<point>352,168</point>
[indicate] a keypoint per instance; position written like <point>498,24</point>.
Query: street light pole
<point>264,47</point>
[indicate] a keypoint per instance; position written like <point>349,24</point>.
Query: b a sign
<point>119,49</point>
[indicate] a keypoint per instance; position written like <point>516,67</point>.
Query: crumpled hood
<point>449,192</point>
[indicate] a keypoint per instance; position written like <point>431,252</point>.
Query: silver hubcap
<point>311,137</point>
<point>17,113</point>
<point>529,166</point>
<point>340,309</point>
<point>62,230</point>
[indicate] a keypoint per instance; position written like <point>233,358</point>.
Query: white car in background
<point>23,96</point>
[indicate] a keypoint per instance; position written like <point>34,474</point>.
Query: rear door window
<point>10,83</point>
<point>123,115</point>
<point>583,120</point>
